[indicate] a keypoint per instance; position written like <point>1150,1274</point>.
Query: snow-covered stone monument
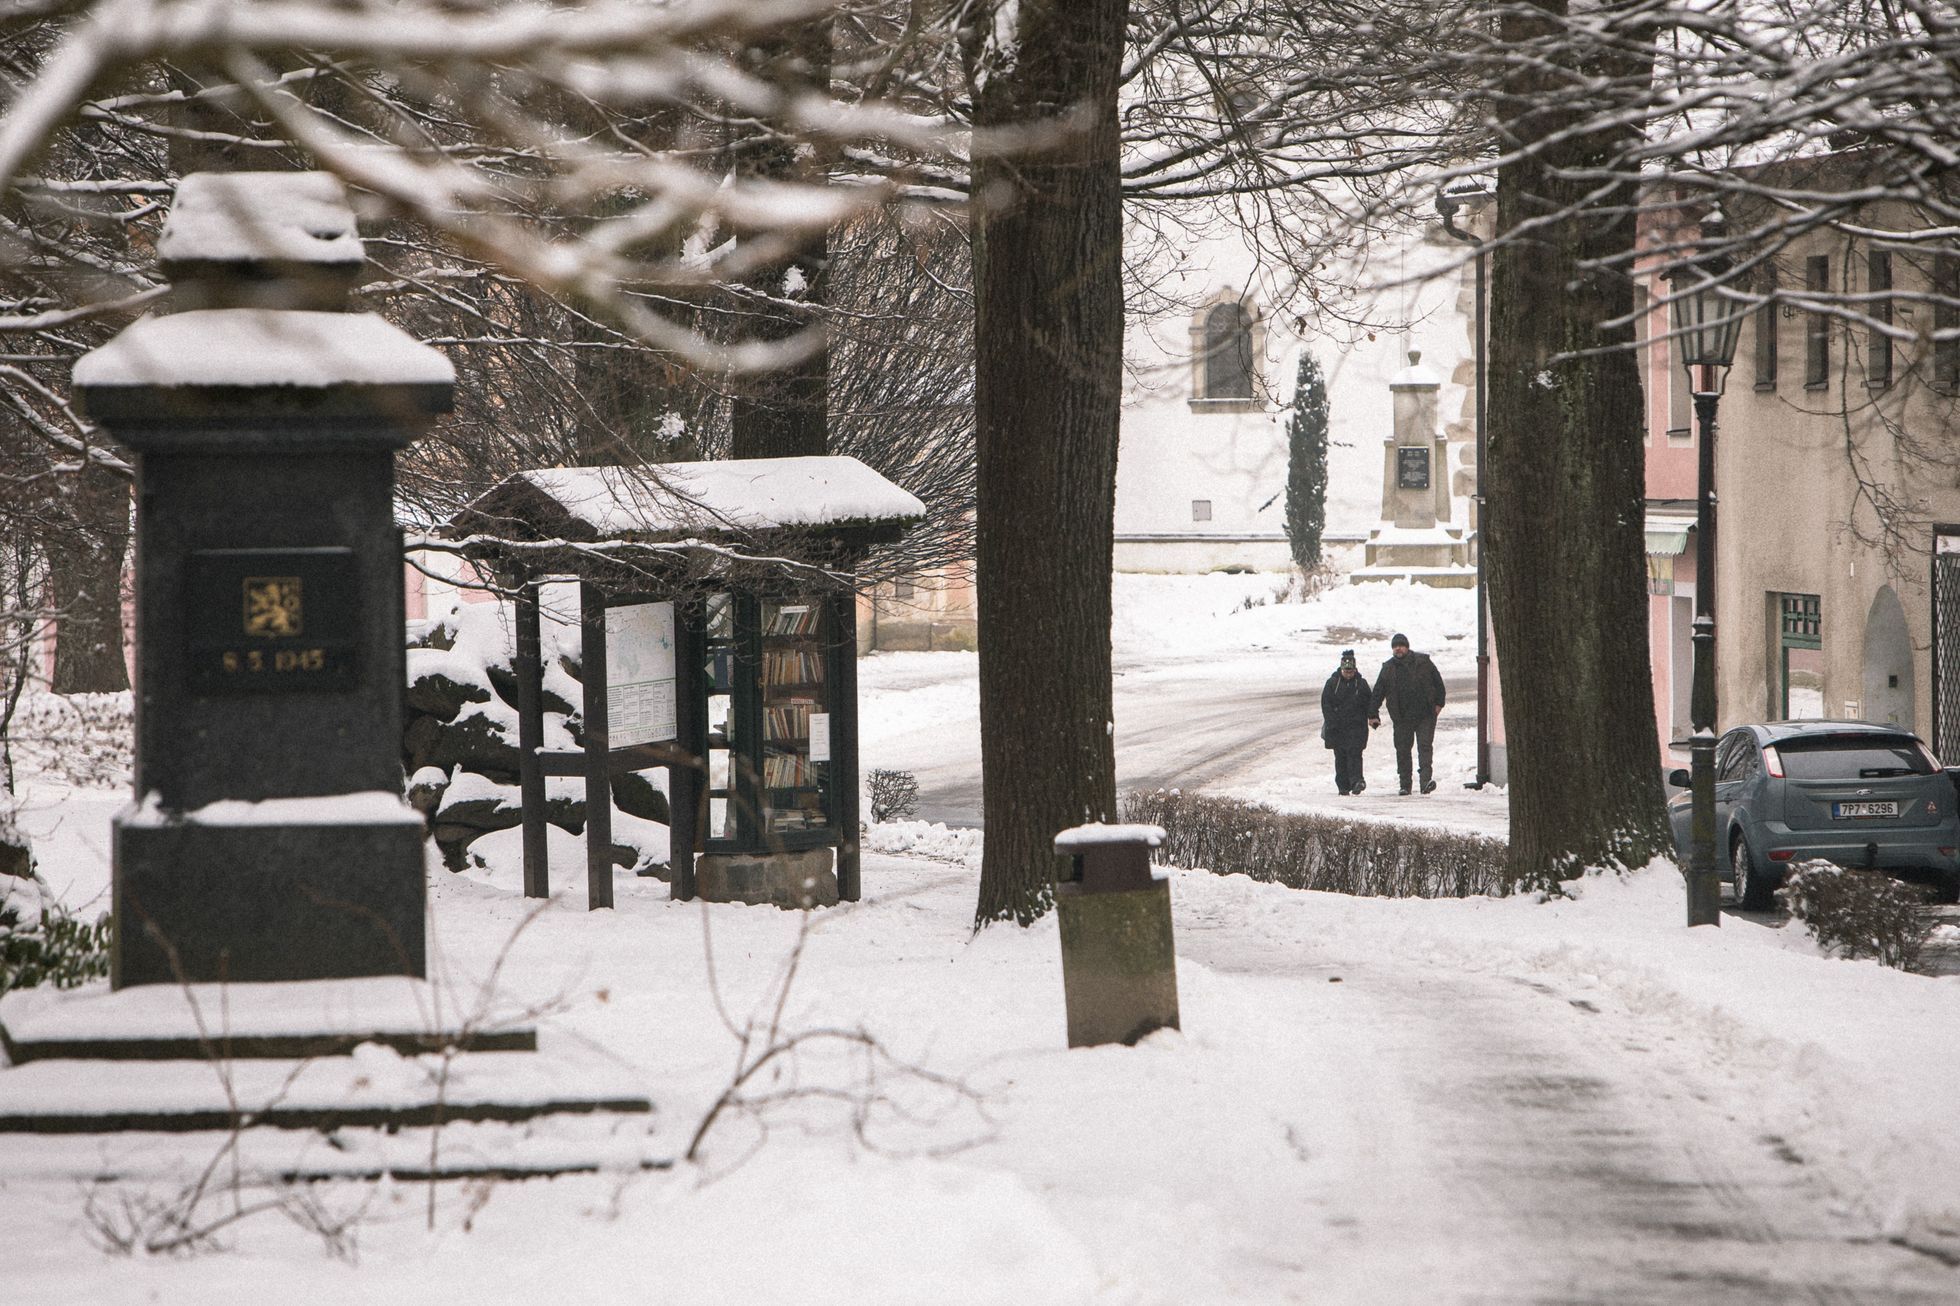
<point>1415,540</point>
<point>269,839</point>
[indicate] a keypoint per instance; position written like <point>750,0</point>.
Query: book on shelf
<point>787,721</point>
<point>794,619</point>
<point>787,771</point>
<point>792,666</point>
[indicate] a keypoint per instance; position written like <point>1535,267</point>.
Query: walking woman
<point>1344,709</point>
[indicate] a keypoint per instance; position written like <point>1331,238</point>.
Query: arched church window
<point>1228,353</point>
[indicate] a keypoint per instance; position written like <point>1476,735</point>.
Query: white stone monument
<point>1415,540</point>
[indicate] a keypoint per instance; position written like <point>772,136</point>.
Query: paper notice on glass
<point>639,674</point>
<point>820,736</point>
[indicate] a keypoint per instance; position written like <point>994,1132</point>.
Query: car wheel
<point>1948,889</point>
<point>1752,891</point>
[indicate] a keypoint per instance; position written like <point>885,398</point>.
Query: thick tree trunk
<point>1049,323</point>
<point>85,577</point>
<point>1564,522</point>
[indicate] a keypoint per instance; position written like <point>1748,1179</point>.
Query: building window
<point>1799,691</point>
<point>1644,355</point>
<point>1201,510</point>
<point>1878,345</point>
<point>1228,353</point>
<point>1946,319</point>
<point>1768,345</point>
<point>1817,326</point>
<point>1680,403</point>
<point>902,589</point>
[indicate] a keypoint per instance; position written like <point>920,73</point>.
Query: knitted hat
<point>1400,641</point>
<point>1347,657</point>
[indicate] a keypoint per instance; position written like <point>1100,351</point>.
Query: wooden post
<point>686,786</point>
<point>598,747</point>
<point>844,745</point>
<point>530,738</point>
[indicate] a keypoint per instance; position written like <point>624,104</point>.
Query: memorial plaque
<point>272,620</point>
<point>1411,468</point>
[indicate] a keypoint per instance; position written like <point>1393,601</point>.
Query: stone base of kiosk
<point>806,878</point>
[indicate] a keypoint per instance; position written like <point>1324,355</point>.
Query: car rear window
<point>1852,757</point>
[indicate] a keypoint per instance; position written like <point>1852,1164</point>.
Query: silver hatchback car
<point>1850,792</point>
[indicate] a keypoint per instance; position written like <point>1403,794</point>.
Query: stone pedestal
<point>1416,540</point>
<point>269,839</point>
<point>806,878</point>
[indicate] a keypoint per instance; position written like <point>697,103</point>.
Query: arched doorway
<point>1888,661</point>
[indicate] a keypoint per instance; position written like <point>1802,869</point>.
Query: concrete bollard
<point>1119,961</point>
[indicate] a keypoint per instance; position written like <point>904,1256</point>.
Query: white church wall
<point>1202,485</point>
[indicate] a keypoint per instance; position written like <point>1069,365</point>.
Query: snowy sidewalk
<point>1498,1101</point>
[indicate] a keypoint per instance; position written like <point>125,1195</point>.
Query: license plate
<point>1852,811</point>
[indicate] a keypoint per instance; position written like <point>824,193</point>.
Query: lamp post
<point>1707,320</point>
<point>1447,203</point>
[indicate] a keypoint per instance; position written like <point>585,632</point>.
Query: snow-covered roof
<point>731,494</point>
<point>240,217</point>
<point>263,347</point>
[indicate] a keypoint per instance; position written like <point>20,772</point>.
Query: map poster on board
<point>639,674</point>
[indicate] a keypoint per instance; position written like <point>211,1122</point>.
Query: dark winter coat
<point>1411,686</point>
<point>1344,712</point>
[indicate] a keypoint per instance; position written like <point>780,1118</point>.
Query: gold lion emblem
<point>272,606</point>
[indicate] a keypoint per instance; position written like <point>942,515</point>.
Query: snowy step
<point>375,1086</point>
<point>298,1019</point>
<point>553,1145</point>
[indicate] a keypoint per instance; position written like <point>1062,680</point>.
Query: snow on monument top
<point>728,494</point>
<point>1415,376</point>
<point>263,347</point>
<point>261,217</point>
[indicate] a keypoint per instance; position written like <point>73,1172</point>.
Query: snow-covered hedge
<point>1858,913</point>
<point>1310,851</point>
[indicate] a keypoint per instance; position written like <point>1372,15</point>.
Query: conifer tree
<point>1306,465</point>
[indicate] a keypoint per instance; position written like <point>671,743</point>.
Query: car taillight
<point>1782,854</point>
<point>1773,761</point>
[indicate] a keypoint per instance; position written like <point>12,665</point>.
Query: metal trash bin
<point>1119,961</point>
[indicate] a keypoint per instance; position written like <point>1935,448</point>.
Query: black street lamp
<point>1707,320</point>
<point>1447,204</point>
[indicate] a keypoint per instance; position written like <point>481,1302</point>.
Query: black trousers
<point>1347,768</point>
<point>1421,736</point>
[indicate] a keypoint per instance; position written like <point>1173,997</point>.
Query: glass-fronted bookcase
<point>771,668</point>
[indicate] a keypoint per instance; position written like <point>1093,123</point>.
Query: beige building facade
<point>1838,487</point>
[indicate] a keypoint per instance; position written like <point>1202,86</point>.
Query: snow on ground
<point>1218,688</point>
<point>1219,613</point>
<point>1370,1100</point>
<point>1236,1161</point>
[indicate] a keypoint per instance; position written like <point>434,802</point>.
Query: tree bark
<point>1049,327</point>
<point>1564,525</point>
<point>85,579</point>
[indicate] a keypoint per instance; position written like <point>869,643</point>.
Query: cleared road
<point>1250,723</point>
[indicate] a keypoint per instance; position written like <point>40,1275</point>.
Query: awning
<point>1667,536</point>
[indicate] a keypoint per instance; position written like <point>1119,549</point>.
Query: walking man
<point>1413,689</point>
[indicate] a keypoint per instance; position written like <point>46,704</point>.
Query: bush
<point>41,943</point>
<point>1304,851</point>
<point>1858,913</point>
<point>894,795</point>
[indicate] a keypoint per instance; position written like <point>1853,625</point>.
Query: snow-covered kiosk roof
<point>813,510</point>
